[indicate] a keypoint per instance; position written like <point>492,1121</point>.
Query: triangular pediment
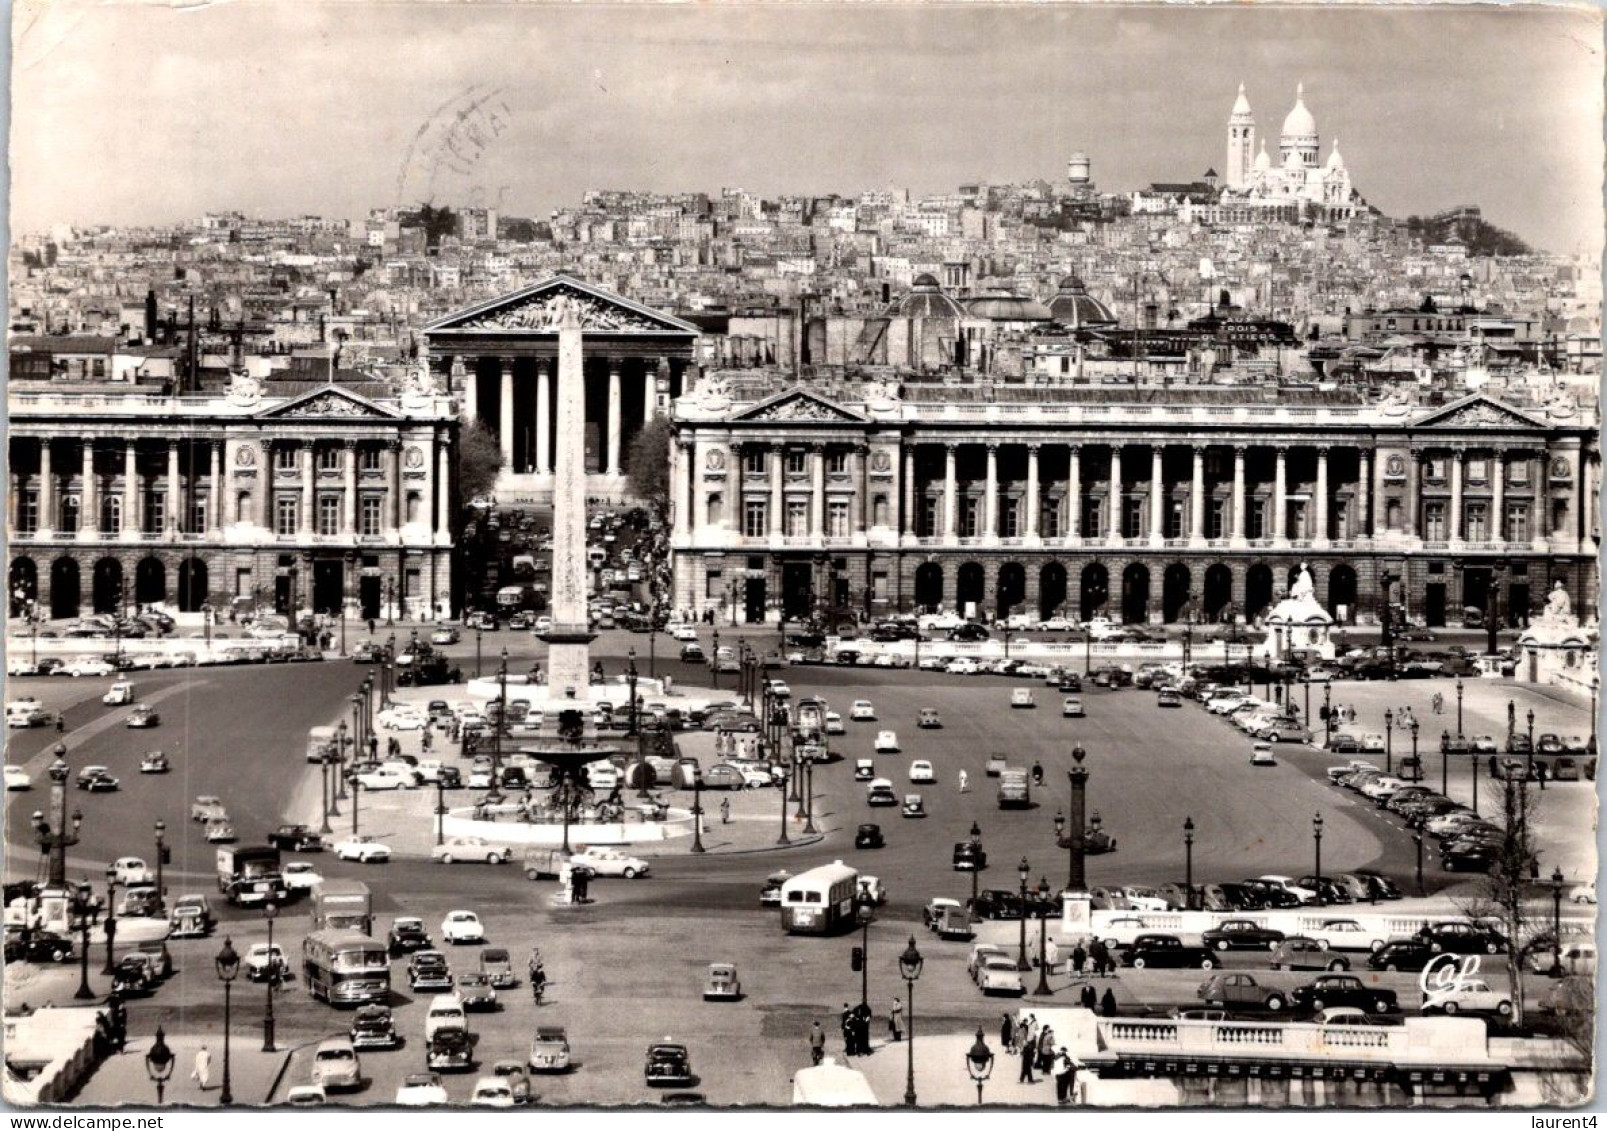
<point>331,401</point>
<point>1477,411</point>
<point>800,405</point>
<point>540,307</point>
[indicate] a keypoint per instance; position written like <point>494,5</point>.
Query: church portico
<point>499,360</point>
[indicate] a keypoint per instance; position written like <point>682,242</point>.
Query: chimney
<point>150,316</point>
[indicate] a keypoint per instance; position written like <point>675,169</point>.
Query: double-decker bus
<point>345,967</point>
<point>819,901</point>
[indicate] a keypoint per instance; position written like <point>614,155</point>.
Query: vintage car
<point>421,1089</point>
<point>427,971</point>
<point>869,835</point>
<point>913,806</point>
<point>549,1049</point>
<point>206,808</point>
<point>451,1049</point>
<point>1166,951</point>
<point>1300,953</point>
<point>722,983</point>
<point>408,935</point>
<point>864,769</point>
<point>154,762</point>
<point>516,1077</point>
<point>770,893</point>
<point>668,1066</point>
<point>497,966</point>
<point>373,1028</point>
<point>1327,990</point>
<point>135,974</point>
<point>191,917</point>
<point>476,992</point>
<point>143,716</point>
<point>335,1064</point>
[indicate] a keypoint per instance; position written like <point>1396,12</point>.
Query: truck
<point>1015,792</point>
<point>250,874</point>
<point>544,863</point>
<point>343,905</point>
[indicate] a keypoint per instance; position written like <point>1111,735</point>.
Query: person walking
<point>1078,957</point>
<point>817,1043</point>
<point>850,1046</point>
<point>1097,955</point>
<point>1007,1034</point>
<point>965,782</point>
<point>1029,1056</point>
<point>895,1020</point>
<point>1046,1049</point>
<point>1107,1004</point>
<point>1051,956</point>
<point>202,1072</point>
<point>1028,1037</point>
<point>862,1020</point>
<point>1090,996</point>
<point>1064,1075</point>
<point>725,811</point>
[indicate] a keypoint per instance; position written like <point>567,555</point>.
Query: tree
<point>1499,896</point>
<point>479,461</point>
<point>647,465</point>
<point>437,222</point>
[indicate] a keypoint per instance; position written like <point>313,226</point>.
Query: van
<point>1022,697</point>
<point>1014,791</point>
<point>23,713</point>
<point>321,744</point>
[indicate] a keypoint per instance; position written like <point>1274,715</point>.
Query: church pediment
<point>798,405</point>
<point>1477,412</point>
<point>330,402</point>
<point>540,308</point>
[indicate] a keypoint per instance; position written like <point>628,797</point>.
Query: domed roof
<point>1241,108</point>
<point>925,300</point>
<point>1334,160</point>
<point>1262,161</point>
<point>1073,306</point>
<point>1001,306</point>
<point>1299,124</point>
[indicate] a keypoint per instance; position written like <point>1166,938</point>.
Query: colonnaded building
<point>1144,504</point>
<point>297,495</point>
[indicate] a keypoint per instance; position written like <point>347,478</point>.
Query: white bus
<point>819,901</point>
<point>346,967</point>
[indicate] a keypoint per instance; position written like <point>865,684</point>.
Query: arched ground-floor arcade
<point>1129,585</point>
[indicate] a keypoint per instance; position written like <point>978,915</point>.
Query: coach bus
<point>345,967</point>
<point>819,901</point>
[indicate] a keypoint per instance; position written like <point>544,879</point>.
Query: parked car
<point>1342,990</point>
<point>1296,952</point>
<point>1469,996</point>
<point>549,1049</point>
<point>1462,937</point>
<point>1166,951</point>
<point>1240,991</point>
<point>1240,934</point>
<point>668,1065</point>
<point>1401,954</point>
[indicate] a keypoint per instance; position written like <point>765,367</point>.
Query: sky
<point>131,112</point>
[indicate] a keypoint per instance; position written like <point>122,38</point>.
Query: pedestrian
<point>817,1043</point>
<point>61,725</point>
<point>849,1047</point>
<point>1046,1049</point>
<point>1090,996</point>
<point>965,782</point>
<point>1007,1034</point>
<point>202,1072</point>
<point>1107,1004</point>
<point>1064,1074</point>
<point>725,811</point>
<point>1051,956</point>
<point>1096,955</point>
<point>895,1020</point>
<point>1029,1056</point>
<point>1028,1036</point>
<point>1078,957</point>
<point>371,624</point>
<point>862,1019</point>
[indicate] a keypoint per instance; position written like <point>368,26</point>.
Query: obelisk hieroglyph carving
<point>568,658</point>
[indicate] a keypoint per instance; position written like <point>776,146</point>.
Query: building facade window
<point>716,509</point>
<point>68,518</point>
<point>755,518</point>
<point>837,462</point>
<point>195,516</point>
<point>1434,469</point>
<point>797,518</point>
<point>156,514</point>
<point>1049,519</point>
<point>1133,517</point>
<point>1475,524</point>
<point>1258,525</point>
<point>1217,522</point>
<point>284,457</point>
<point>28,513</point>
<point>753,460</point>
<point>929,517</point>
<point>111,514</point>
<point>837,519</point>
<point>327,458</point>
<point>286,515</point>
<point>1478,470</point>
<point>795,461</point>
<point>970,517</point>
<point>1517,522</point>
<point>1434,522</point>
<point>368,516</point>
<point>1518,471</point>
<point>1093,518</point>
<point>368,458</point>
<point>1010,518</point>
<point>328,514</point>
<point>1175,521</point>
<point>879,511</point>
<point>714,585</point>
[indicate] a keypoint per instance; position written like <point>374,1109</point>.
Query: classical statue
<point>1302,589</point>
<point>1559,606</point>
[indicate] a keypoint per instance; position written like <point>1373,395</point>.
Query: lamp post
<point>979,1063</point>
<point>1459,706</point>
<point>1023,870</point>
<point>976,859</point>
<point>1529,770</point>
<point>356,786</point>
<point>1316,840</point>
<point>1389,741</point>
<point>809,799</point>
<point>909,965</point>
<point>697,812</point>
<point>323,790</point>
<point>1595,695</point>
<point>781,789</point>
<point>228,967</point>
<point>111,916</point>
<point>1328,714</point>
<point>865,912</point>
<point>269,911</point>
<point>630,683</point>
<point>1417,762</point>
<point>342,737</point>
<point>1556,922</point>
<point>83,909</point>
<point>1188,861</point>
<point>161,858</point>
<point>1417,839</point>
<point>159,1061</point>
<point>714,662</point>
<point>477,634</point>
<point>1043,989</point>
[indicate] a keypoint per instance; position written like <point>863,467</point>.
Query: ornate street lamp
<point>979,1063</point>
<point>697,812</point>
<point>1417,839</point>
<point>1316,840</point>
<point>159,1060</point>
<point>781,790</point>
<point>111,916</point>
<point>630,682</point>
<point>161,859</point>
<point>1328,714</point>
<point>270,911</point>
<point>976,858</point>
<point>865,912</point>
<point>54,842</point>
<point>338,790</point>
<point>1529,772</point>
<point>1023,870</point>
<point>909,965</point>
<point>228,967</point>
<point>1556,922</point>
<point>1389,741</point>
<point>1043,989</point>
<point>83,911</point>
<point>1188,862</point>
<point>1459,706</point>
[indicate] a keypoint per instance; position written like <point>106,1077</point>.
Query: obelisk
<point>568,651</point>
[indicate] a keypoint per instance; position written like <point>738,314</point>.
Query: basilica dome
<point>925,300</point>
<point>1073,306</point>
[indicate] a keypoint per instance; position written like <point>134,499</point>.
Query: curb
<point>279,1076</point>
<point>816,839</point>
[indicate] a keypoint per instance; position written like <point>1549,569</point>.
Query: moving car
<point>130,870</point>
<point>668,1065</point>
<point>408,936</point>
<point>612,862</point>
<point>450,1048</point>
<point>1240,934</point>
<point>476,992</point>
<point>913,806</point>
<point>1072,708</point>
<point>1342,990</point>
<point>17,778</point>
<point>929,719</point>
<point>1470,996</point>
<point>461,927</point>
<point>722,983</point>
<point>497,966</point>
<point>263,962</point>
<point>101,781</point>
<point>469,849</point>
<point>921,771</point>
<point>1022,697</point>
<point>206,808</point>
<point>969,856</point>
<point>861,711</point>
<point>886,742</point>
<point>770,893</point>
<point>220,831</point>
<point>864,769</point>
<point>1261,755</point>
<point>880,792</point>
<point>421,1089</point>
<point>363,849</point>
<point>373,1028</point>
<point>1166,951</point>
<point>1168,699</point>
<point>296,838</point>
<point>516,1077</point>
<point>1346,934</point>
<point>1401,954</point>
<point>549,1049</point>
<point>1240,991</point>
<point>868,835</point>
<point>335,1064</point>
<point>1460,937</point>
<point>996,765</point>
<point>427,970</point>
<point>492,1091</point>
<point>143,716</point>
<point>998,975</point>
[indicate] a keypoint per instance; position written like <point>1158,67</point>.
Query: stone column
<point>649,394</point>
<point>1239,500</point>
<point>950,492</point>
<point>613,415</point>
<point>733,492</point>
<point>1380,506</point>
<point>226,516</point>
<point>778,498</point>
<point>1454,527</point>
<point>47,489</point>
<point>907,518</point>
<point>443,496</point>
<point>861,482</point>
<point>307,496</point>
<point>175,487</point>
<point>1498,496</point>
<point>1280,497</point>
<point>348,502</point>
<point>264,485</point>
<point>469,378</point>
<point>1321,533</point>
<point>544,417</point>
<point>1197,498</point>
<point>395,498</point>
<point>1362,521</point>
<point>88,503</point>
<point>1034,494</point>
<point>131,491</point>
<point>1114,535</point>
<point>214,509</point>
<point>1414,482</point>
<point>505,416</point>
<point>990,498</point>
<point>817,499</point>
<point>1157,496</point>
<point>1074,491</point>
